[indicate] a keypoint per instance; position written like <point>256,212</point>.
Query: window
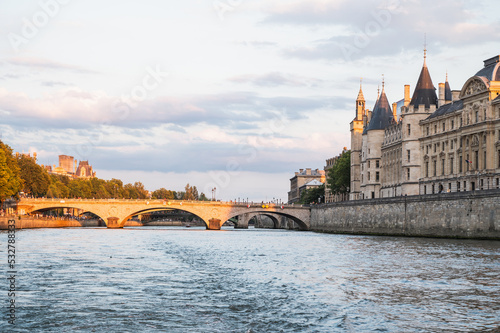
<point>451,144</point>
<point>409,129</point>
<point>377,176</point>
<point>458,186</point>
<point>373,195</point>
<point>442,167</point>
<point>368,176</point>
<point>377,164</point>
<point>368,164</point>
<point>451,165</point>
<point>477,159</point>
<point>477,116</point>
<point>444,127</point>
<point>434,168</point>
<point>461,121</point>
<point>408,173</point>
<point>425,189</point>
<point>435,128</point>
<point>452,124</point>
<point>442,146</point>
<point>484,160</point>
<point>408,152</point>
<point>427,169</point>
<point>427,149</point>
<point>435,147</point>
<point>499,158</point>
<point>460,163</point>
<point>427,130</point>
<point>449,187</point>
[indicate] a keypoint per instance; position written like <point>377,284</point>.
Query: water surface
<point>167,279</point>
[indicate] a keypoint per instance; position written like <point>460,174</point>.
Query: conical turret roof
<point>447,90</point>
<point>382,113</point>
<point>425,92</point>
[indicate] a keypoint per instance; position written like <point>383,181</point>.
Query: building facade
<point>302,178</point>
<point>449,142</point>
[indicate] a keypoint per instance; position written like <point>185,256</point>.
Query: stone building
<point>302,178</point>
<point>68,167</point>
<point>460,144</point>
<point>84,170</point>
<point>449,142</point>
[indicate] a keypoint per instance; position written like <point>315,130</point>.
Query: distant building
<point>84,170</point>
<point>68,165</point>
<point>302,178</point>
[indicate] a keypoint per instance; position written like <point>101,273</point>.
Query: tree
<point>163,193</point>
<point>191,193</point>
<point>312,195</point>
<point>35,178</point>
<point>339,176</point>
<point>203,197</point>
<point>10,180</point>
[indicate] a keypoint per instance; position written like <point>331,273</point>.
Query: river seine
<point>161,279</point>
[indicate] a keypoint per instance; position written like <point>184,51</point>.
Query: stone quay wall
<point>33,223</point>
<point>473,214</point>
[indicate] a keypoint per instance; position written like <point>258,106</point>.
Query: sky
<point>232,94</point>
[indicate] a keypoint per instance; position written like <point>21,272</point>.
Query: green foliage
<point>163,193</point>
<point>191,193</point>
<point>10,179</point>
<point>35,178</point>
<point>203,197</point>
<point>339,176</point>
<point>312,195</point>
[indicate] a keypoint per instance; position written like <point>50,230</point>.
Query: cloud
<point>275,79</point>
<point>77,108</point>
<point>55,84</point>
<point>363,28</point>
<point>40,63</point>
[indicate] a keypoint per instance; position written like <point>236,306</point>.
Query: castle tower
<point>423,103</point>
<point>356,141</point>
<point>371,151</point>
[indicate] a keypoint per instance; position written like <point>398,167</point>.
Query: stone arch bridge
<point>115,212</point>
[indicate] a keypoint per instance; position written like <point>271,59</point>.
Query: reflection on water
<point>192,280</point>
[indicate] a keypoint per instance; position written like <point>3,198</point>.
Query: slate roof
<point>425,92</point>
<point>447,108</point>
<point>447,91</point>
<point>491,69</point>
<point>382,114</point>
<point>314,182</point>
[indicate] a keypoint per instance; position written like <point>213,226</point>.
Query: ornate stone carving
<point>474,87</point>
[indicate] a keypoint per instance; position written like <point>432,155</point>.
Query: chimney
<point>455,95</point>
<point>441,95</point>
<point>301,170</point>
<point>407,95</point>
<point>395,111</point>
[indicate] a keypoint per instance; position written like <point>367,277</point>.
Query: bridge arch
<point>271,214</point>
<point>49,208</point>
<point>158,209</point>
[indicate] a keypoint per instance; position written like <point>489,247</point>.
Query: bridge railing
<point>166,202</point>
